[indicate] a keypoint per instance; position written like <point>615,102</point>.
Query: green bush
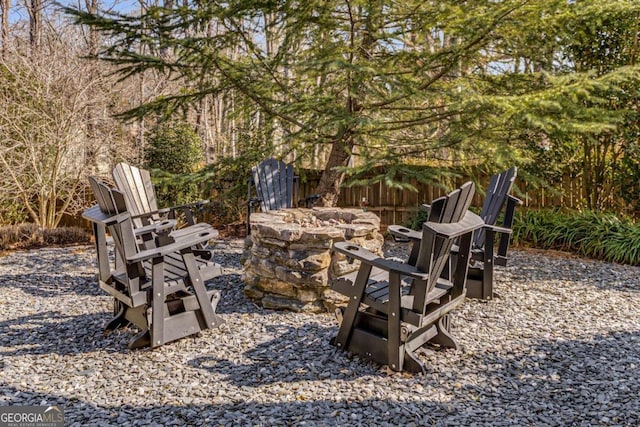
<point>223,183</point>
<point>12,212</point>
<point>175,149</point>
<point>592,234</point>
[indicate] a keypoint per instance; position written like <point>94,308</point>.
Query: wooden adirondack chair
<point>484,256</point>
<point>395,308</point>
<point>140,197</point>
<point>276,187</point>
<point>162,289</point>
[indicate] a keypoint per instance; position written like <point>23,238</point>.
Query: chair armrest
<point>176,246</point>
<point>514,199</point>
<point>162,211</point>
<point>498,229</point>
<point>187,232</point>
<point>158,227</point>
<point>367,257</point>
<point>191,204</point>
<point>469,223</point>
<point>400,231</point>
<point>95,215</point>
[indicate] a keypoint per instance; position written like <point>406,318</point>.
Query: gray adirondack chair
<point>395,308</point>
<point>484,256</point>
<point>161,290</point>
<point>276,187</point>
<point>140,197</point>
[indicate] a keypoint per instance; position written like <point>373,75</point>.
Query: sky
<point>19,13</point>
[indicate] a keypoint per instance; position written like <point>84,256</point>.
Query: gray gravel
<point>560,346</point>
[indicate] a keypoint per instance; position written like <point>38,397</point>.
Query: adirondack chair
<point>140,197</point>
<point>395,308</point>
<point>483,256</point>
<point>161,290</point>
<point>147,235</point>
<point>276,185</point>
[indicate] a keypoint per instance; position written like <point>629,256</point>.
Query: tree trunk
<point>332,177</point>
<point>93,42</point>
<point>34,7</point>
<point>5,5</point>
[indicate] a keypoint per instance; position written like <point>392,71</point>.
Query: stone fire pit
<point>288,259</point>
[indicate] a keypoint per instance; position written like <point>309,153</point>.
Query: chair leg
<point>119,320</point>
<point>487,272</point>
<point>487,280</point>
<point>142,339</point>
<point>349,315</point>
<point>414,341</point>
<point>395,348</point>
<point>158,302</point>
<point>212,320</point>
<point>444,337</point>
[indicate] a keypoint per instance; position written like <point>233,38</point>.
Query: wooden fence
<point>396,206</point>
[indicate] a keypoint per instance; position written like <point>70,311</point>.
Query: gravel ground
<point>560,346</point>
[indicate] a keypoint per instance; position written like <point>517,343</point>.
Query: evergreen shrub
<point>174,149</point>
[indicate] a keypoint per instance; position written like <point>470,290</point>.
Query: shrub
<point>174,149</point>
<point>599,235</point>
<point>25,236</point>
<point>12,212</point>
<point>593,234</point>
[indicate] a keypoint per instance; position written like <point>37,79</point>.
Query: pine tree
<point>381,82</point>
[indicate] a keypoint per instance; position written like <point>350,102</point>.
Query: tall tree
<point>378,81</point>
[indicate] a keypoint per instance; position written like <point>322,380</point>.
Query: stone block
<point>307,295</point>
<point>312,234</point>
<point>276,303</point>
<point>309,260</point>
<point>301,277</point>
<point>286,232</point>
<point>356,230</point>
<point>278,287</point>
<point>253,292</point>
<point>332,300</point>
<point>269,242</point>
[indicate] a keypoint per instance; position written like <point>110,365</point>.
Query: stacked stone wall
<point>288,262</point>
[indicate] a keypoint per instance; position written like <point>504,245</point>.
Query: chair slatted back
<point>273,181</point>
<point>112,203</point>
<point>125,241</point>
<point>435,250</point>
<point>497,193</point>
<point>102,196</point>
<point>135,184</point>
<point>122,230</point>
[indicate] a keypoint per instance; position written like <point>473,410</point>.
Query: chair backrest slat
<point>123,228</point>
<point>497,193</point>
<point>273,180</point>
<point>434,250</point>
<point>137,188</point>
